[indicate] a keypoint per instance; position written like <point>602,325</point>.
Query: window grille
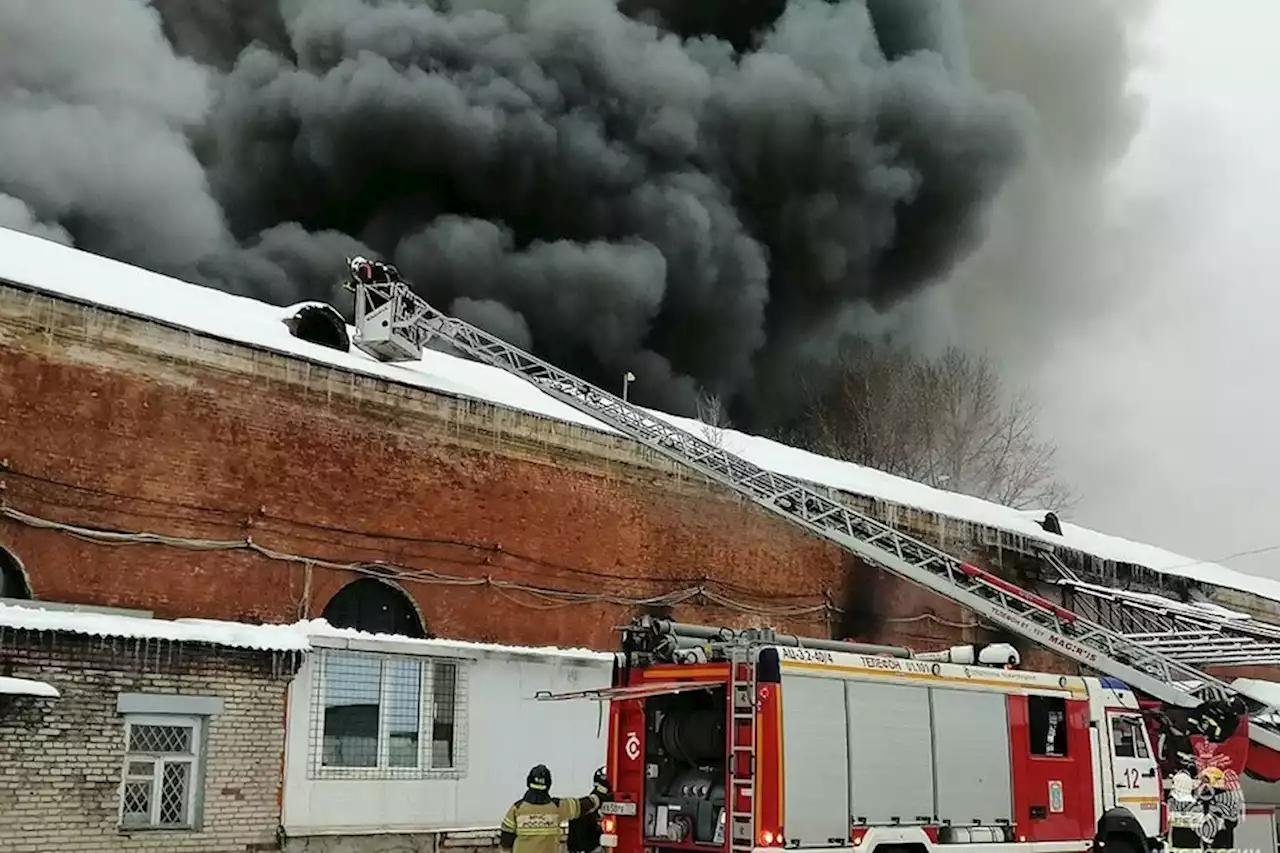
<point>387,716</point>
<point>162,757</point>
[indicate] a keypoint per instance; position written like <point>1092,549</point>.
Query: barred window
<point>385,716</point>
<point>161,772</point>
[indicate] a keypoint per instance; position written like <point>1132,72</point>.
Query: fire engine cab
<point>752,740</point>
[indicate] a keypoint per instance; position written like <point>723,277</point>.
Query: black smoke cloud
<point>690,198</point>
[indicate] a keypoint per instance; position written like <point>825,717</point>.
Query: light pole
<point>627,379</point>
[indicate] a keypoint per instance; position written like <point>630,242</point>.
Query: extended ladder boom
<point>394,324</point>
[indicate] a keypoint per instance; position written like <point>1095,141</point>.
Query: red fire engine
<point>745,741</point>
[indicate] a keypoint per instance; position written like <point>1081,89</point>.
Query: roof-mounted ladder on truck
<point>395,324</point>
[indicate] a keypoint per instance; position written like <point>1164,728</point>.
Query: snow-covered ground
<point>53,268</point>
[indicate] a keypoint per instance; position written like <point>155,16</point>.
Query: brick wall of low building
<point>61,759</point>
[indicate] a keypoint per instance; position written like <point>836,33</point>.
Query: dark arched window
<point>373,606</point>
<point>13,582</point>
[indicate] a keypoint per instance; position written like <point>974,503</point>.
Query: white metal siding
<point>507,732</point>
<point>1257,832</point>
<point>890,760</point>
<point>815,761</point>
<point>971,754</point>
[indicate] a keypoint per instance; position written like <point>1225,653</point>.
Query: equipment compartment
<point>685,769</point>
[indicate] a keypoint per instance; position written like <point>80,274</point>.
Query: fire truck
<point>739,741</point>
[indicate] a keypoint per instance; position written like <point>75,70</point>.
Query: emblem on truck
<point>632,746</point>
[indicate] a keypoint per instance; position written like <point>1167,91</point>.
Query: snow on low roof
<point>325,635</point>
<point>26,687</point>
<point>297,637</point>
<point>50,267</point>
<point>275,638</point>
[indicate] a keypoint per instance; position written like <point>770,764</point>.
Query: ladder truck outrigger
<point>394,324</point>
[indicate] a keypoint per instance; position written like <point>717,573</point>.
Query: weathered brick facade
<point>61,759</point>
<point>111,422</point>
<point>117,423</point>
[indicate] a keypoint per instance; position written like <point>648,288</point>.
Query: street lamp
<point>627,379</point>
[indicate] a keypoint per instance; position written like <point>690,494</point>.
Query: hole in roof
<point>320,324</point>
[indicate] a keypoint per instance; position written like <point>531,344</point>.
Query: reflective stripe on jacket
<point>536,826</point>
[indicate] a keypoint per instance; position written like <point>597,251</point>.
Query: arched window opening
<point>320,324</point>
<point>373,606</point>
<point>13,581</point>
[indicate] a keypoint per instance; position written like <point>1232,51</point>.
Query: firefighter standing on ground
<point>532,824</point>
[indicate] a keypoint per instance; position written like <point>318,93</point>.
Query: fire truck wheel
<point>1119,844</point>
<point>1119,832</point>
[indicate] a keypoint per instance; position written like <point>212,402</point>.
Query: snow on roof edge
<point>49,267</point>
<point>320,630</point>
<point>283,637</point>
<point>10,686</point>
<point>266,638</point>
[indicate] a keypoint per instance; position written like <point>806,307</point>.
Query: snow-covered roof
<point>296,637</point>
<point>272,638</point>
<point>27,687</point>
<point>50,267</point>
<point>324,635</point>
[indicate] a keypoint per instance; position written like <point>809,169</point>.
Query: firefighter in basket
<point>366,271</point>
<point>532,824</point>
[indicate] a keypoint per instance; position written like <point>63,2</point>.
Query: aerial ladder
<point>394,324</point>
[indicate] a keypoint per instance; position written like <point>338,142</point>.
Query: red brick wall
<point>115,424</point>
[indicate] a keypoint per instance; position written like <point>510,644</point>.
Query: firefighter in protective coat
<point>366,271</point>
<point>532,824</point>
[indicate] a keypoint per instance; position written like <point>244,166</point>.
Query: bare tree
<point>713,417</point>
<point>948,422</point>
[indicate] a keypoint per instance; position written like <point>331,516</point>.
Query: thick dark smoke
<point>1059,251</point>
<point>690,196</point>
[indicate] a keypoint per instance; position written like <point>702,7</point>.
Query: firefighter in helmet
<point>532,824</point>
<point>366,271</point>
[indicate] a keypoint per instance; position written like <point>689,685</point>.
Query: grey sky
<point>1166,408</point>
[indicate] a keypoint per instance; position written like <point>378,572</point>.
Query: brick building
<point>481,514</point>
<point>164,736</point>
<point>122,732</point>
<point>269,478</point>
<point>176,450</point>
